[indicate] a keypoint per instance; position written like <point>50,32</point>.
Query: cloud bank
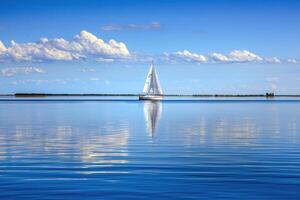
<point>235,56</point>
<point>85,45</point>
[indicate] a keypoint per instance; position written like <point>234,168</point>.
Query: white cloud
<point>191,57</point>
<point>38,51</point>
<point>243,56</point>
<point>132,27</point>
<point>11,71</point>
<point>96,46</point>
<point>62,44</point>
<point>84,45</point>
<point>236,56</point>
<point>219,57</point>
<point>292,61</point>
<point>273,60</point>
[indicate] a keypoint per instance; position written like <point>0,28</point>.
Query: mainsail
<point>152,86</point>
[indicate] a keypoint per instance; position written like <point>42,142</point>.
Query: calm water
<point>133,150</point>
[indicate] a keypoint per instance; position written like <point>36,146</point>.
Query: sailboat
<point>152,89</point>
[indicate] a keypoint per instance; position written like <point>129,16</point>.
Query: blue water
<point>143,150</point>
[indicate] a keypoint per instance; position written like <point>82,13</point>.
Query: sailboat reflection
<point>152,113</point>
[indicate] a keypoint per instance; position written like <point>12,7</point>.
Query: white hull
<point>151,98</point>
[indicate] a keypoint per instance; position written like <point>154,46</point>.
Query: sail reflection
<point>152,113</point>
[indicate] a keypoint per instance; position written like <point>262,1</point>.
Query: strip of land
<point>268,95</point>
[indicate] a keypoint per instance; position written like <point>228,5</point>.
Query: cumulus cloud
<point>191,57</point>
<point>85,45</point>
<point>132,27</point>
<point>96,46</point>
<point>219,57</point>
<point>235,56</point>
<point>11,71</point>
<point>243,56</point>
<point>38,51</point>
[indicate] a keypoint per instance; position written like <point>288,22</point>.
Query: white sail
<point>156,85</point>
<point>148,80</point>
<point>152,85</point>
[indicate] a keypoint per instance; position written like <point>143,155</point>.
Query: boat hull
<point>151,98</point>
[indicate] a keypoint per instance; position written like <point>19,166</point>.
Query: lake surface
<point>144,150</point>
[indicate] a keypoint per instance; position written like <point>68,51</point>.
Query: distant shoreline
<point>267,95</point>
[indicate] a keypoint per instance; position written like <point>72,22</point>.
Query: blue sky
<point>106,46</point>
